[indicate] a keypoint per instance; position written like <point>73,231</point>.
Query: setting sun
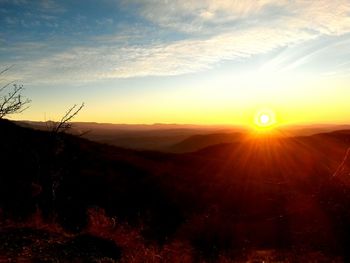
<point>265,119</point>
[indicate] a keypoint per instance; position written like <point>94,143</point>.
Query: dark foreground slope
<point>257,193</point>
<point>62,175</point>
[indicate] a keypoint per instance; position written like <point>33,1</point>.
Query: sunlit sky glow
<point>180,61</point>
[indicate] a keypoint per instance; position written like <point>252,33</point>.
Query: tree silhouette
<point>64,124</point>
<point>11,99</point>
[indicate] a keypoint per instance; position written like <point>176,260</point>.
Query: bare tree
<point>11,99</point>
<point>57,129</point>
<point>64,124</point>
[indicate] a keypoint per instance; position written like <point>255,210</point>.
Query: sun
<point>265,120</point>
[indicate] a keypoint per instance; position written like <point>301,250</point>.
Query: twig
<point>341,167</point>
<point>64,124</point>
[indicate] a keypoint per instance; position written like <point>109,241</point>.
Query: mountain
<point>177,138</point>
<point>196,142</point>
<point>253,193</point>
<point>311,129</point>
<point>133,136</point>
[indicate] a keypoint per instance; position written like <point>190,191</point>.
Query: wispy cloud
<point>48,5</point>
<point>322,16</point>
<point>15,2</point>
<point>329,54</point>
<point>214,31</point>
<point>180,57</point>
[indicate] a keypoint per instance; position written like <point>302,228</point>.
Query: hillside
<point>255,193</point>
<point>176,138</point>
<point>197,142</point>
<point>135,136</point>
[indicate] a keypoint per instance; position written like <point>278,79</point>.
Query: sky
<point>179,61</point>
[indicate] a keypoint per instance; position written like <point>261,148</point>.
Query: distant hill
<point>305,130</point>
<point>142,137</point>
<point>197,142</point>
<point>132,127</point>
<point>177,138</point>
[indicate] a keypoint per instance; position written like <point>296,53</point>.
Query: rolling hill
<point>159,137</point>
<point>197,142</point>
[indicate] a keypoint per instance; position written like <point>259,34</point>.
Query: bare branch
<point>342,166</point>
<point>6,69</point>
<point>12,102</point>
<point>6,85</point>
<point>64,124</point>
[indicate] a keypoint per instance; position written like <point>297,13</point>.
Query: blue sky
<point>158,60</point>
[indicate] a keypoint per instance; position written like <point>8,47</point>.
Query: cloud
<point>215,31</point>
<point>180,57</point>
<point>15,2</point>
<point>191,16</point>
<point>179,13</point>
<point>11,20</point>
<point>105,21</point>
<point>51,6</point>
<point>44,4</point>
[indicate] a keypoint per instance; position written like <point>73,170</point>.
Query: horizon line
<point>195,124</point>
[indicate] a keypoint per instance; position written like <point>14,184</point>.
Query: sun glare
<point>264,120</point>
